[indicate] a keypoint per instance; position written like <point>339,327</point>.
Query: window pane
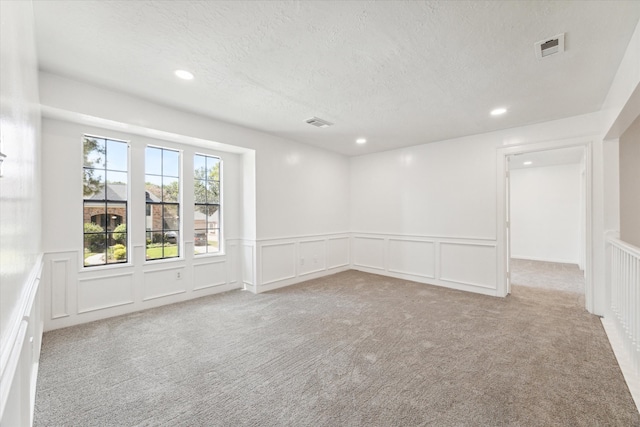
<point>116,252</point>
<point>199,166</point>
<point>213,192</point>
<point>94,217</point>
<point>213,217</point>
<point>153,188</point>
<point>94,152</point>
<point>154,218</point>
<point>154,251</point>
<point>93,184</point>
<point>94,249</point>
<point>116,185</point>
<point>116,216</point>
<point>200,241</point>
<point>119,251</point>
<point>213,239</point>
<point>171,190</point>
<point>200,191</point>
<point>200,217</point>
<point>154,236</point>
<point>153,161</point>
<point>170,250</point>
<point>213,168</point>
<point>117,155</point>
<point>170,163</point>
<point>170,218</point>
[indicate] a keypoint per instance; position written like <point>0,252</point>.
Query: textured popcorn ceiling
<point>399,73</point>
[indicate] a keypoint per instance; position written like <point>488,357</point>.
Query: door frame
<point>502,243</point>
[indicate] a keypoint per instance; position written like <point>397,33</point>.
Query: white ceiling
<point>399,73</point>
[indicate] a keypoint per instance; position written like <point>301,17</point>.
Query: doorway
<point>546,206</point>
<point>558,244</point>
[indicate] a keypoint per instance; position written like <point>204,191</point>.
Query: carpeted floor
<point>548,275</point>
<point>352,349</point>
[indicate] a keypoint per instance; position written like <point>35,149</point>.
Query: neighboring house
<point>116,214</point>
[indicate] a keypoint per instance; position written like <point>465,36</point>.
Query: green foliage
<point>120,253</point>
<point>120,233</point>
<point>118,246</point>
<point>207,188</point>
<point>171,192</point>
<point>91,184</point>
<point>157,252</point>
<point>95,242</point>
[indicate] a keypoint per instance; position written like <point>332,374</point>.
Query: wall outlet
<point>178,275</point>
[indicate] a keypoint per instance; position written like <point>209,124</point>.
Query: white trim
<point>626,366</point>
<point>168,294</point>
<point>53,262</point>
<point>555,260</point>
<point>295,267</point>
<point>321,236</point>
<point>422,236</point>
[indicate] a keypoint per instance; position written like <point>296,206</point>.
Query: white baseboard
<point>624,361</point>
<point>556,260</point>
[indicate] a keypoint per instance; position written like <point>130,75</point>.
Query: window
<point>105,199</point>
<point>207,204</point>
<point>162,193</point>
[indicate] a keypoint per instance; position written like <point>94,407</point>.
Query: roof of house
<point>118,192</point>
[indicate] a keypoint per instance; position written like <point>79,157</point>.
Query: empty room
<point>319,213</point>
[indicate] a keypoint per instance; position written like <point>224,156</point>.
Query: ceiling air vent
<point>550,46</point>
<point>315,121</point>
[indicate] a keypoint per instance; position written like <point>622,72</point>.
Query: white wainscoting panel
<point>232,262</point>
<point>368,252</point>
<point>104,292</point>
<point>338,252</point>
<point>312,256</point>
<point>414,257</point>
<point>278,262</point>
<point>59,268</point>
<point>209,275</point>
<point>163,282</point>
<point>20,353</point>
<point>468,263</point>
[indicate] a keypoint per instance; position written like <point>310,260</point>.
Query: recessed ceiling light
<point>527,163</point>
<point>498,111</point>
<point>361,140</point>
<point>184,74</point>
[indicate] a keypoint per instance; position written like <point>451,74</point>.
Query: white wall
<point>545,213</point>
<point>630,184</point>
<point>19,213</point>
<point>619,110</point>
<point>428,213</point>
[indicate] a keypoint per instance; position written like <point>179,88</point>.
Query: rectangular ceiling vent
<point>550,46</point>
<point>315,121</point>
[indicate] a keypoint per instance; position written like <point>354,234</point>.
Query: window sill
<point>107,267</point>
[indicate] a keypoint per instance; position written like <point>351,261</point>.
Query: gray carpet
<point>548,275</point>
<point>352,349</point>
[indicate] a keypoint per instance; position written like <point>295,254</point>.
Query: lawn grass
<point>169,251</point>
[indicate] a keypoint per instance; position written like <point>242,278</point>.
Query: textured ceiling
<point>399,73</point>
